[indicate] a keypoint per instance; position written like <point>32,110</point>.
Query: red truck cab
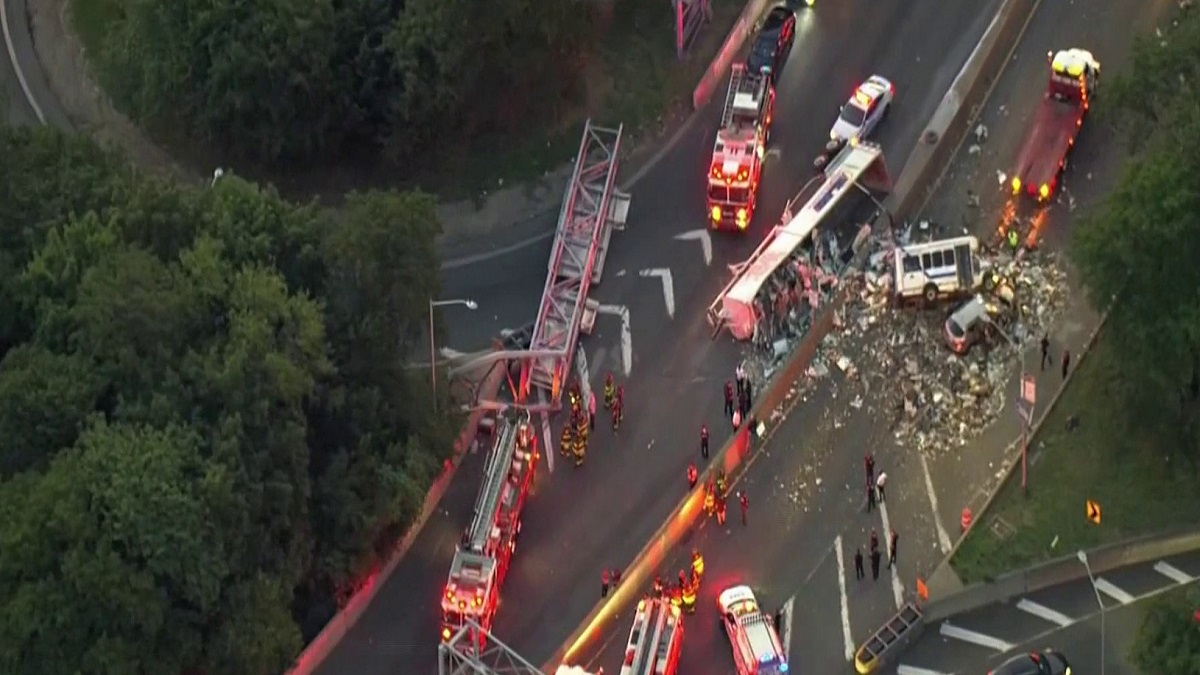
<point>1074,74</point>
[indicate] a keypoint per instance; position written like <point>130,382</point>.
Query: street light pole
<point>1083,558</point>
<point>469,304</point>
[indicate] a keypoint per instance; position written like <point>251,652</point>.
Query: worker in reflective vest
<point>697,563</point>
<point>565,446</point>
<point>1014,240</point>
<point>689,598</point>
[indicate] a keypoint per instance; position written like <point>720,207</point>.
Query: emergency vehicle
<point>756,646</point>
<point>482,558</point>
<point>739,150</point>
<point>655,639</point>
<point>866,108</point>
<point>1074,74</point>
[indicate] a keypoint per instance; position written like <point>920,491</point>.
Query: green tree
<point>1168,641</point>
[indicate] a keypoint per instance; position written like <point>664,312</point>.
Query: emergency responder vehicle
<point>866,108</point>
<point>738,152</point>
<point>482,558</point>
<point>654,640</point>
<point>1074,74</point>
<point>757,649</point>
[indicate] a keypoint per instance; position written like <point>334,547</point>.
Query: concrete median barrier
<point>960,106</point>
<point>1063,570</point>
<point>318,650</point>
<point>714,76</point>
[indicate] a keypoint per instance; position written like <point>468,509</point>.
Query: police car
<point>756,646</point>
<point>864,110</point>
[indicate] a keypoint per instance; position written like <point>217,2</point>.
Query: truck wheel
<point>931,293</point>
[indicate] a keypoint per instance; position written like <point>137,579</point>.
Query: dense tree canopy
<point>1168,641</point>
<point>284,80</point>
<point>1141,243</point>
<point>207,438</point>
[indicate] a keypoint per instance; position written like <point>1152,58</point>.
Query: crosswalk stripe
<point>1172,572</point>
<point>913,670</point>
<point>1108,588</point>
<point>1044,612</point>
<point>974,638</point>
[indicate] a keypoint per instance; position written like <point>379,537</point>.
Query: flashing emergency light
<point>446,634</point>
<point>783,667</point>
<point>716,213</point>
<point>741,218</point>
<point>1044,191</point>
<point>862,97</point>
<point>1016,185</point>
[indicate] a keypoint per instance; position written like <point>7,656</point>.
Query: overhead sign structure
<point>1093,512</point>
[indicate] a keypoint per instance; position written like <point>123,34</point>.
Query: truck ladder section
<point>585,224</point>
<point>649,644</point>
<point>741,82</point>
<point>474,651</point>
<point>890,640</point>
<point>494,479</point>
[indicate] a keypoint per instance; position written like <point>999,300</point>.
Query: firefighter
<point>722,486</point>
<point>710,499</point>
<point>697,563</point>
<point>688,593</point>
<point>573,394</point>
<point>566,441</point>
<point>582,427</point>
<point>580,447</point>
<point>610,390</point>
<point>692,476</point>
<point>659,590</point>
<point>683,579</point>
<point>618,412</point>
<point>676,595</point>
<point>721,509</point>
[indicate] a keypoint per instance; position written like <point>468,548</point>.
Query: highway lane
<point>582,521</point>
<point>1109,30</point>
<point>977,640</point>
<point>795,557</point>
<point>15,105</point>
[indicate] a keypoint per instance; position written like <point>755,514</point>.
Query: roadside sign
<point>1029,390</point>
<point>1093,512</point>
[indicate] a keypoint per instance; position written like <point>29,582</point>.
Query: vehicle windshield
<point>853,115</point>
<point>955,329</point>
<point>775,19</point>
<point>732,196</point>
<point>452,619</point>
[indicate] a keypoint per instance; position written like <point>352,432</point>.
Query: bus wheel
<point>931,293</point>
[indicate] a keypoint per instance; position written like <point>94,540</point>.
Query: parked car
<point>1048,662</point>
<point>773,42</point>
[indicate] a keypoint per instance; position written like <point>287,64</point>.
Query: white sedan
<point>869,104</point>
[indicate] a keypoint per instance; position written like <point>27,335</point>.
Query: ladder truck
<point>484,554</point>
<point>655,639</point>
<point>739,150</point>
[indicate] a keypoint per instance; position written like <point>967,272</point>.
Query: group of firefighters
<point>683,593</point>
<point>574,439</point>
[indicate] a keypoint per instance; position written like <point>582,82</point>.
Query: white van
<point>938,269</point>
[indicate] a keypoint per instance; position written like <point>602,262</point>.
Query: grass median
<point>635,79</point>
<point>1140,488</point>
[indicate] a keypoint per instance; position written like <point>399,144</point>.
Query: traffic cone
<point>966,519</point>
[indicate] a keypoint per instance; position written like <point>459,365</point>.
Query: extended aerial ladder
<point>747,97</point>
<point>473,651</point>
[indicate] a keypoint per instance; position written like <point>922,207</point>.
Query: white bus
<point>938,269</point>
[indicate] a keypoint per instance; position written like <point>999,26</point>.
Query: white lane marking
<point>1044,612</point>
<point>841,565</point>
<point>1108,588</point>
<point>668,284</point>
<point>943,537</point>
<point>16,66</point>
<point>787,626</point>
<point>897,587</point>
<point>705,240</point>
<point>626,334</point>
<point>913,670</point>
<point>1173,573</point>
<point>956,633</point>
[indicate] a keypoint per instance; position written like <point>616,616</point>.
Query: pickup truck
<point>1074,74</point>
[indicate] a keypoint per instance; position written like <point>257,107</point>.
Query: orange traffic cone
<point>966,519</point>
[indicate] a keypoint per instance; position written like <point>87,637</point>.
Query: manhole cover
<point>1001,529</point>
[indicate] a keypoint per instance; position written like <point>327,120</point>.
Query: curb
<point>724,58</point>
<point>316,651</point>
<point>16,65</point>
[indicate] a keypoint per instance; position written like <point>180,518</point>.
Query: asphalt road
<point>12,99</point>
<point>581,521</point>
<point>1064,617</point>
<point>805,488</point>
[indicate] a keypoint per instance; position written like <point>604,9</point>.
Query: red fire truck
<point>483,556</point>
<point>1074,74</point>
<point>739,149</point>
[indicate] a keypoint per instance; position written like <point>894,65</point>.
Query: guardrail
<point>714,76</point>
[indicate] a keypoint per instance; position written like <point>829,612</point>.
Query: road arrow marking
<point>705,240</point>
<point>626,334</point>
<point>668,284</point>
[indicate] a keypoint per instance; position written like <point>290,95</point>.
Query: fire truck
<point>654,640</point>
<point>739,149</point>
<point>1074,74</point>
<point>482,558</point>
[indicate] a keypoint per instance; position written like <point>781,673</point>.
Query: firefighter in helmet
<point>710,498</point>
<point>581,426</point>
<point>697,563</point>
<point>618,408</point>
<point>688,592</point>
<point>722,486</point>
<point>579,448</point>
<point>566,441</point>
<point>610,390</point>
<point>676,595</point>
<point>659,589</point>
